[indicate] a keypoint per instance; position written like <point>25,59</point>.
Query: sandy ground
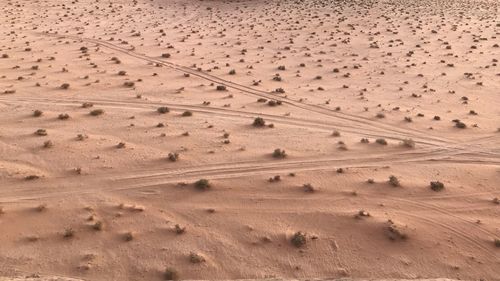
<point>98,98</point>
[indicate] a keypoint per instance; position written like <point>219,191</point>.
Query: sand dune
<point>152,140</point>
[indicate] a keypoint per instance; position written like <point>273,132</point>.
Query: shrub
<point>129,84</point>
<point>87,104</point>
<point>437,185</point>
<point>173,156</point>
<point>37,113</point>
<point>187,113</point>
<point>41,132</point>
<point>97,112</point>
<point>120,145</point>
<point>65,86</point>
<point>48,144</point>
<point>98,225</point>
<point>128,236</point>
<point>365,140</point>
<point>221,88</point>
<point>279,153</point>
<point>497,242</point>
<point>408,143</point>
<point>171,274</point>
<point>202,184</point>
<point>460,125</point>
<point>380,115</point>
<point>163,109</point>
<point>394,181</point>
<point>196,258</point>
<point>298,239</point>
<point>308,188</point>
<point>179,229</point>
<point>232,72</point>
<point>259,122</point>
<point>381,141</point>
<point>63,116</point>
<point>69,232</point>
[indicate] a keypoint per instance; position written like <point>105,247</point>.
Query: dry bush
<point>299,239</point>
<point>97,112</point>
<point>279,153</point>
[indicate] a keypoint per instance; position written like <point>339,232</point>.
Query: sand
<point>332,139</point>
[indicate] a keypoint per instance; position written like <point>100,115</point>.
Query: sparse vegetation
<point>196,258</point>
<point>394,181</point>
<point>97,112</point>
<point>279,153</point>
<point>171,274</point>
<point>173,156</point>
<point>299,239</point>
<point>163,109</point>
<point>202,184</point>
<point>259,122</point>
<point>437,185</point>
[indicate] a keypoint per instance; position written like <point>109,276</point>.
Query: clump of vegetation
<point>48,144</point>
<point>87,104</point>
<point>279,153</point>
<point>41,132</point>
<point>128,236</point>
<point>202,184</point>
<point>336,133</point>
<point>129,84</point>
<point>396,231</point>
<point>97,112</point>
<point>299,239</point>
<point>187,113</point>
<point>365,140</point>
<point>381,141</point>
<point>63,116</point>
<point>65,86</point>
<point>121,145</point>
<point>232,72</point>
<point>408,143</point>
<point>37,113</point>
<point>196,258</point>
<point>163,109</point>
<point>171,274</point>
<point>259,122</point>
<point>221,88</point>
<point>98,225</point>
<point>380,115</point>
<point>173,156</point>
<point>309,188</point>
<point>69,233</point>
<point>437,185</point>
<point>179,230</point>
<point>394,181</point>
<point>497,242</point>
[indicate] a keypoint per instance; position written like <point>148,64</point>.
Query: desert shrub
<point>129,84</point>
<point>365,140</point>
<point>163,109</point>
<point>98,225</point>
<point>281,67</point>
<point>394,181</point>
<point>31,177</point>
<point>165,55</point>
<point>232,72</point>
<point>196,258</point>
<point>396,231</point>
<point>171,274</point>
<point>63,116</point>
<point>87,104</point>
<point>221,88</point>
<point>187,113</point>
<point>298,239</point>
<point>128,236</point>
<point>460,125</point>
<point>48,144</point>
<point>309,188</point>
<point>336,133</point>
<point>497,242</point>
<point>97,112</point>
<point>408,143</point>
<point>259,122</point>
<point>173,156</point>
<point>37,113</point>
<point>202,184</point>
<point>437,185</point>
<point>280,90</point>
<point>121,145</point>
<point>41,132</point>
<point>380,115</point>
<point>122,73</point>
<point>279,153</point>
<point>69,233</point>
<point>179,230</point>
<point>381,141</point>
<point>65,86</point>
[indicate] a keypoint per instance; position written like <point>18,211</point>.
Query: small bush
<point>171,274</point>
<point>381,141</point>
<point>196,258</point>
<point>309,188</point>
<point>163,109</point>
<point>37,113</point>
<point>259,122</point>
<point>98,225</point>
<point>65,86</point>
<point>221,88</point>
<point>97,112</point>
<point>408,143</point>
<point>173,156</point>
<point>437,185</point>
<point>41,132</point>
<point>179,229</point>
<point>63,116</point>
<point>497,242</point>
<point>187,113</point>
<point>202,184</point>
<point>48,144</point>
<point>69,233</point>
<point>460,125</point>
<point>279,153</point>
<point>298,239</point>
<point>394,181</point>
<point>128,236</point>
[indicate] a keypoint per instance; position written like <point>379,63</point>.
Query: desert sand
<point>180,139</point>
